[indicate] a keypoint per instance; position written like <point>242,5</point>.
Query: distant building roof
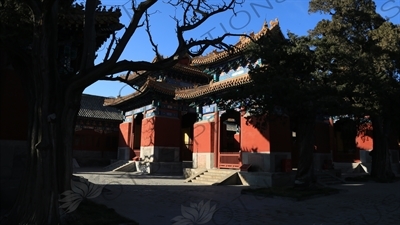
<point>92,107</point>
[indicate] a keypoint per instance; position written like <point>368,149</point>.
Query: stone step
<point>221,171</point>
<point>213,176</point>
<point>115,165</point>
<point>208,179</point>
<point>203,182</point>
<point>127,167</point>
<point>121,166</point>
<point>208,175</point>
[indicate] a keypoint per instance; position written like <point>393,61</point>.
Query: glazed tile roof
<point>211,88</point>
<point>182,93</point>
<point>217,56</point>
<point>179,93</point>
<point>190,70</point>
<point>92,107</point>
<point>151,83</point>
<point>187,70</point>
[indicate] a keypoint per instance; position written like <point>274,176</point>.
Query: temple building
<point>96,132</point>
<point>162,126</point>
<point>173,118</point>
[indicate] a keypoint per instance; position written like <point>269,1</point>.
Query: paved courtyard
<point>157,200</point>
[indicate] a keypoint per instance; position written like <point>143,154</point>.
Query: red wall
<point>237,143</point>
<point>203,133</point>
<point>90,140</point>
<point>161,131</point>
<point>148,132</point>
<point>124,134</point>
<point>280,134</point>
<point>253,139</point>
<point>168,132</point>
<point>131,142</point>
<point>364,138</point>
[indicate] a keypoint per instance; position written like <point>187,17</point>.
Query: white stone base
<point>159,167</point>
<point>350,167</point>
<point>203,160</point>
<point>362,168</point>
<point>366,161</point>
<point>266,162</point>
<point>159,154</point>
<point>189,172</point>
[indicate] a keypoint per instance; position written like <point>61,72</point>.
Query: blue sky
<point>292,15</point>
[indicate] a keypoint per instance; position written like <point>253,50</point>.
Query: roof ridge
<point>119,99</point>
<point>179,67</point>
<point>213,87</point>
<point>243,42</point>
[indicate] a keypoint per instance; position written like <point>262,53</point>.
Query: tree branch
<point>134,24</point>
<point>113,66</point>
<point>89,36</point>
<point>120,79</point>
<point>216,42</point>
<point>206,11</point>
<point>155,47</point>
<point>125,65</point>
<point>109,47</point>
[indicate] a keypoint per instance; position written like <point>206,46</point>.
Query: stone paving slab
<point>158,199</point>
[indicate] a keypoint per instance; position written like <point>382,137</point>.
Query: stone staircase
<point>121,165</point>
<point>213,177</point>
<point>326,178</point>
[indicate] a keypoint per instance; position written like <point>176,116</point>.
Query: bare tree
<point>54,98</point>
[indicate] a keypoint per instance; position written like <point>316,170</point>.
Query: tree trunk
<point>381,164</point>
<point>53,109</point>
<point>49,168</point>
<point>305,140</point>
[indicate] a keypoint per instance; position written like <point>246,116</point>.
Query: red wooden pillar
<point>258,147</point>
<point>132,139</point>
<point>252,138</point>
<point>160,139</point>
<point>203,144</point>
<point>217,138</point>
<point>124,134</point>
<point>125,131</point>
